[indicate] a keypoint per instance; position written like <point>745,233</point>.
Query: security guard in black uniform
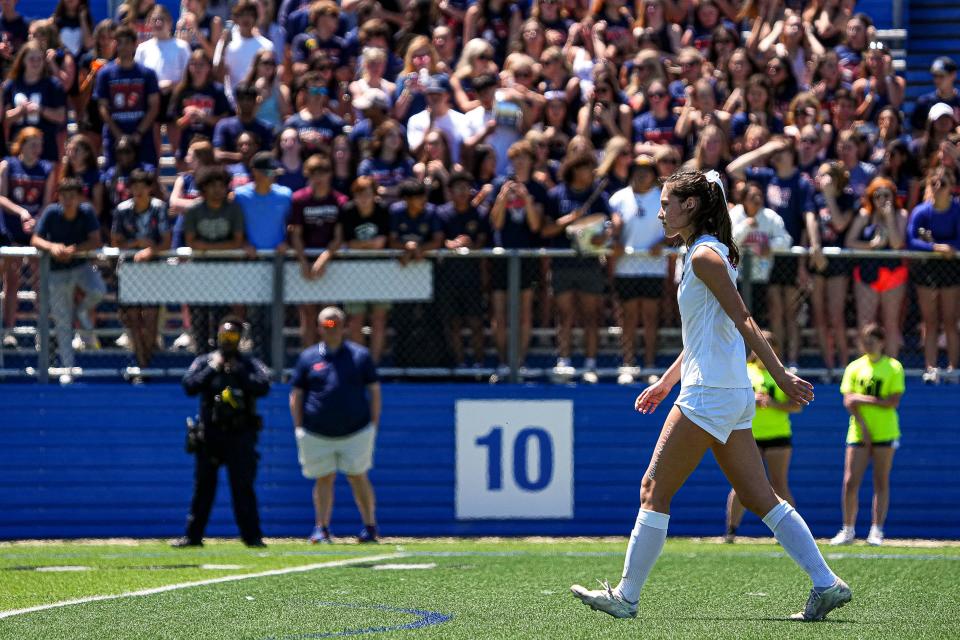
<point>228,383</point>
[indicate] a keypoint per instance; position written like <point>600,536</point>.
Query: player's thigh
<point>739,459</point>
<point>855,464</point>
<point>778,464</point>
<point>678,452</point>
<point>882,462</point>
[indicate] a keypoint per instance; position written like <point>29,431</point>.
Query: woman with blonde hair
<point>373,66</point>
<point>419,63</point>
<point>476,60</point>
<point>615,164</point>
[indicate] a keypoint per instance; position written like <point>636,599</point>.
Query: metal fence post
<point>277,317</point>
<point>43,320</point>
<point>513,314</point>
<point>746,288</point>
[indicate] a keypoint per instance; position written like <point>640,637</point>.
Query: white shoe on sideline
<point>10,340</point>
<point>66,379</point>
<point>625,377</point>
<point>931,376</point>
<point>590,377</point>
<point>845,536</point>
<point>605,600</point>
<point>184,342</point>
<point>124,341</point>
<point>875,538</point>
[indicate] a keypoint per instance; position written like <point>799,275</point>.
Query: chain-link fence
<point>484,315</point>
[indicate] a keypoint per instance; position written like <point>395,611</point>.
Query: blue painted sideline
<point>107,460</point>
<point>424,619</point>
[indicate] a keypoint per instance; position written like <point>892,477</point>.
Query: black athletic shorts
<point>772,443</point>
<point>529,270</point>
<point>880,443</point>
<point>935,274</point>
<point>785,271</point>
<point>632,287</point>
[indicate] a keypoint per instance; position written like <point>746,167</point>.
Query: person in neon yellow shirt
<point>771,430</point>
<point>872,387</point>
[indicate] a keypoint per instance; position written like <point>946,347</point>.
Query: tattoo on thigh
<point>652,470</point>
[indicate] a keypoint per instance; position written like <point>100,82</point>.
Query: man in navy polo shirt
<point>335,406</point>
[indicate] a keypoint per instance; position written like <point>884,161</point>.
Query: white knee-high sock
<point>646,543</point>
<point>793,534</point>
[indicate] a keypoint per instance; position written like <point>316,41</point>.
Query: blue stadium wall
<point>107,460</point>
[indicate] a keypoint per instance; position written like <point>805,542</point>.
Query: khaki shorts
<point>320,456</point>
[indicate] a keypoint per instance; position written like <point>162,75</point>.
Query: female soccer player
<point>771,430</point>
<point>872,387</point>
<point>715,406</point>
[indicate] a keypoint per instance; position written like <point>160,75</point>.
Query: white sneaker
<point>124,341</point>
<point>10,340</point>
<point>931,376</point>
<point>590,377</point>
<point>66,379</point>
<point>85,341</point>
<point>876,537</point>
<point>820,603</point>
<point>625,377</point>
<point>605,600</point>
<point>184,342</point>
<point>845,536</point>
<point>653,378</point>
<point>563,370</point>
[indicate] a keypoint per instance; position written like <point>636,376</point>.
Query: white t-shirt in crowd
<point>508,116</point>
<point>768,233</point>
<point>641,230</point>
<point>453,124</point>
<point>237,56</point>
<point>167,58</point>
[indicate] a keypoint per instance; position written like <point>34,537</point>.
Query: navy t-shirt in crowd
<point>328,126</point>
<point>211,100</point>
<point>420,228</point>
<point>227,131</point>
<point>54,227</point>
<point>49,94</point>
<point>516,234</point>
<point>126,92</point>
<point>465,223</point>
<point>648,128</point>
<point>334,384</point>
<point>790,197</point>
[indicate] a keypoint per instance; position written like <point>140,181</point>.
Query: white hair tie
<point>714,177</point>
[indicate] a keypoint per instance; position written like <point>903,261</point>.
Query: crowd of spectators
<point>426,124</point>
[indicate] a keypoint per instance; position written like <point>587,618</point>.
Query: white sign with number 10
<point>514,459</point>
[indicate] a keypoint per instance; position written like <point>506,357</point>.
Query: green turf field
<point>459,590</point>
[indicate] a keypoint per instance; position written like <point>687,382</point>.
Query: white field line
<point>200,583</point>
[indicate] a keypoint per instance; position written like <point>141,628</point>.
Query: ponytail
<point>712,216</point>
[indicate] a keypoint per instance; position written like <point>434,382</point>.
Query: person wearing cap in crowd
<point>128,96</point>
<point>638,280</point>
<point>314,225</point>
<point>141,223</point>
<point>944,73</point>
<point>499,120</point>
<point>228,130</point>
<point>373,105</point>
<point>318,126</point>
<point>228,383</point>
<point>64,229</point>
<point>438,115</point>
<point>335,405</point>
<point>266,210</point>
<point>212,223</point>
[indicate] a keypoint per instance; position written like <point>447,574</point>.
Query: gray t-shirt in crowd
<point>213,225</point>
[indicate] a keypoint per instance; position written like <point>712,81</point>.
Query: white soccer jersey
<point>714,354</point>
